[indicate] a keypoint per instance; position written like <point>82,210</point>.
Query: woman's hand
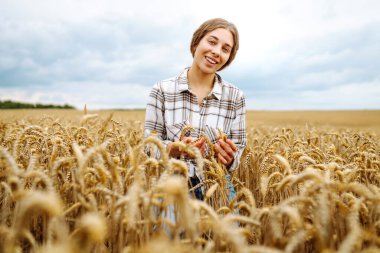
<point>175,150</point>
<point>225,151</point>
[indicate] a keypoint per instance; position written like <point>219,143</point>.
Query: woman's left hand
<point>225,151</point>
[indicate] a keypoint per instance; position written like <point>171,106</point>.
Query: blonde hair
<point>211,25</point>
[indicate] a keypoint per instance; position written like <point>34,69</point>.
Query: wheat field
<point>72,181</point>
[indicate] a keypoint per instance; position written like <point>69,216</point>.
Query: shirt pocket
<point>173,132</point>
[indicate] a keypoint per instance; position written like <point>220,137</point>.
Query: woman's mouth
<point>210,60</point>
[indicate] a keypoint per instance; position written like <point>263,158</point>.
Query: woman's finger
<point>200,142</point>
<point>220,150</point>
<point>226,147</point>
<point>173,150</point>
<point>187,140</point>
<point>232,144</point>
<point>222,159</point>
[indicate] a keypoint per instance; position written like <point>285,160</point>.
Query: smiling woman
<point>200,99</point>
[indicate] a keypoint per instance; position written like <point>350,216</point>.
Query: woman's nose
<point>216,50</point>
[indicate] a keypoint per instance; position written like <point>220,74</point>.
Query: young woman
<point>199,97</point>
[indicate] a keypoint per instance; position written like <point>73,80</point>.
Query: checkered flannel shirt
<point>172,106</point>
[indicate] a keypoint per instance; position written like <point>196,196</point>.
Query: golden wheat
<point>87,185</point>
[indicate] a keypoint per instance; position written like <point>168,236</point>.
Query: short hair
<point>211,25</point>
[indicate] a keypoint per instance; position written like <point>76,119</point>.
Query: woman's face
<point>213,51</point>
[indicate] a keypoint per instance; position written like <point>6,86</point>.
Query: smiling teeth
<point>210,60</point>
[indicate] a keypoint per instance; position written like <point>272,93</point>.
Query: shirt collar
<point>183,84</point>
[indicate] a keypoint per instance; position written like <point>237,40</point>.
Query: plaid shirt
<point>173,106</point>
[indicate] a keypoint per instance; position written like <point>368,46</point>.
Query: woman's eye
<point>226,50</point>
<point>212,42</point>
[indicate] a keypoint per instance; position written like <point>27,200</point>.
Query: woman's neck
<point>198,79</point>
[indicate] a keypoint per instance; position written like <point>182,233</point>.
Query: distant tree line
<point>9,104</point>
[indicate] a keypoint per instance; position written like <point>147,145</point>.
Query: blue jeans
<point>230,188</point>
<point>193,181</point>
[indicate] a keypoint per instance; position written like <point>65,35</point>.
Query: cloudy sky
<point>310,54</point>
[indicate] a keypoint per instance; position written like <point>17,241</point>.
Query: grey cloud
<point>317,63</point>
<point>109,50</point>
<point>60,61</point>
<point>337,70</point>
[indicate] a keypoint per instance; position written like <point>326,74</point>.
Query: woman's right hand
<point>175,150</point>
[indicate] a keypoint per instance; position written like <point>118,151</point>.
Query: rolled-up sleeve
<point>238,132</point>
<point>154,117</point>
<point>154,113</point>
